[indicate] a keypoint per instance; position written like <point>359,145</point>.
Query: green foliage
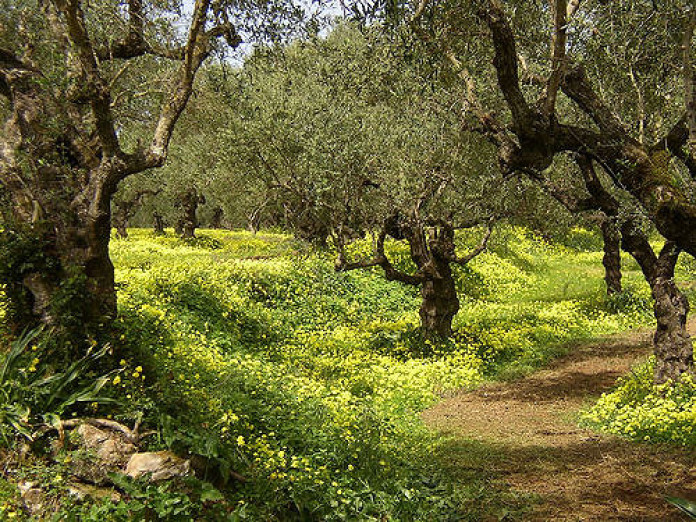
<point>67,302</point>
<point>685,506</point>
<point>628,301</point>
<point>25,251</point>
<point>582,240</point>
<point>22,252</point>
<point>310,382</point>
<point>187,499</point>
<point>33,392</point>
<point>203,241</point>
<point>640,410</point>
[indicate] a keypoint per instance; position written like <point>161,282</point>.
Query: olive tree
<point>72,79</point>
<point>348,143</point>
<point>610,82</point>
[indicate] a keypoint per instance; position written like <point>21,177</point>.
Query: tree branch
<point>558,55</point>
<point>380,259</point>
<point>197,49</point>
<point>11,68</point>
<point>573,6</point>
<point>576,86</point>
<point>480,248</point>
<point>97,92</point>
<point>505,63</point>
<point>674,142</point>
<point>689,83</point>
<point>489,126</point>
<point>667,260</point>
<point>600,196</point>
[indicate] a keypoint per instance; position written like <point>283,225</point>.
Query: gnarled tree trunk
<point>671,343</point>
<point>189,201</point>
<point>216,219</point>
<point>440,303</point>
<point>125,209</point>
<point>61,156</point>
<point>120,223</point>
<point>158,223</point>
<point>674,353</point>
<point>433,252</point>
<point>612,256</point>
<point>79,289</point>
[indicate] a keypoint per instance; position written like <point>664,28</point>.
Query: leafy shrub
<point>203,241</point>
<point>582,240</point>
<point>627,302</point>
<point>22,252</point>
<point>33,392</point>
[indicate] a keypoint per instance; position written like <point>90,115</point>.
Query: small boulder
<point>159,465</point>
<point>81,491</point>
<point>33,497</point>
<point>110,447</point>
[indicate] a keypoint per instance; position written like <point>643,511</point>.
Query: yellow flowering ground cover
<point>252,352</point>
<point>639,410</point>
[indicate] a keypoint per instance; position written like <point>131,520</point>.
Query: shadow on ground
<point>523,435</point>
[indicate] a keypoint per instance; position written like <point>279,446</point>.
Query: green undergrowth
<point>254,353</point>
<point>640,410</point>
<point>310,382</point>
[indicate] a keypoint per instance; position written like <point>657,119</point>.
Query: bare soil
<point>524,434</point>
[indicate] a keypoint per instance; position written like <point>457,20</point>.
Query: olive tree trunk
<point>612,256</point>
<point>189,201</point>
<point>674,353</point>
<point>216,219</point>
<point>80,289</point>
<point>158,223</point>
<point>672,344</point>
<point>440,303</point>
<point>61,155</point>
<point>432,250</point>
<point>120,223</point>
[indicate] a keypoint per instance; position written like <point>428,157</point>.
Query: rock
<point>160,465</point>
<point>25,486</point>
<point>24,452</point>
<point>114,452</point>
<point>108,451</point>
<point>81,491</point>
<point>90,470</point>
<point>110,447</point>
<point>32,497</point>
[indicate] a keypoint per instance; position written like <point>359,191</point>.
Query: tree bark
<point>612,256</point>
<point>124,210</point>
<point>440,303</point>
<point>61,158</point>
<point>672,344</point>
<point>216,220</point>
<point>432,250</point>
<point>81,289</point>
<point>120,223</point>
<point>188,222</point>
<point>158,224</point>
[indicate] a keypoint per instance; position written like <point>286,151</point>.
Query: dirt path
<point>524,433</point>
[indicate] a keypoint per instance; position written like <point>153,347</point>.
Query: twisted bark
<point>432,249</point>
<point>612,256</point>
<point>61,158</point>
<point>188,201</point>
